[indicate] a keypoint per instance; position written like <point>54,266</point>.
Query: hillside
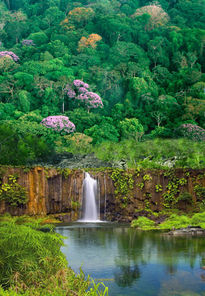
<point>121,71</point>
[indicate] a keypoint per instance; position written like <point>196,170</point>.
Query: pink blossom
<point>80,92</point>
<point>91,99</point>
<point>70,93</point>
<point>59,123</point>
<point>192,131</point>
<point>9,53</point>
<point>79,83</point>
<point>28,42</point>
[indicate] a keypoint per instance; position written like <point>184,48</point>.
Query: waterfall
<point>90,209</point>
<point>105,186</point>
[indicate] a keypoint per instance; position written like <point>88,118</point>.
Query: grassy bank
<point>31,263</point>
<point>170,221</point>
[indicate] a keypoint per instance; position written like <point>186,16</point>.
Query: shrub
<point>176,222</point>
<point>13,193</point>
<point>185,196</point>
<point>200,191</point>
<point>198,219</point>
<point>131,129</point>
<point>78,143</point>
<point>104,131</point>
<point>30,253</point>
<point>143,223</point>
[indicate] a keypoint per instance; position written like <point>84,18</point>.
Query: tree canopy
<point>142,63</point>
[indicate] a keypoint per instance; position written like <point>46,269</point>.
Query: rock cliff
<point>123,194</point>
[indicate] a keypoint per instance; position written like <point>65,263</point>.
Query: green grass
<point>34,220</point>
<point>156,154</point>
<point>174,221</point>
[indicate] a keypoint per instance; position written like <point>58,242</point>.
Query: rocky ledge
<point>190,230</point>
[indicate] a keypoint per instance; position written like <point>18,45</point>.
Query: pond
<point>135,263</point>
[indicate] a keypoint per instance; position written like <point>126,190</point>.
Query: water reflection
<point>126,275</point>
<point>137,263</point>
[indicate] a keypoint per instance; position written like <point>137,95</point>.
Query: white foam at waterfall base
<point>90,212</point>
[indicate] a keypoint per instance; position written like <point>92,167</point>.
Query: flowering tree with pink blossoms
<point>59,123</point>
<point>80,91</point>
<point>27,42</point>
<point>9,54</point>
<point>192,131</point>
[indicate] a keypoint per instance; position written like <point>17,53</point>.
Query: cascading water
<point>90,209</point>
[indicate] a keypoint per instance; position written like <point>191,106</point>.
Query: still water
<point>134,263</point>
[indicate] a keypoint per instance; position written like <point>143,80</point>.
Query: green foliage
<point>131,129</point>
<point>76,143</point>
<point>200,191</point>
<point>148,68</point>
<point>102,132</point>
<point>66,172</point>
<point>33,265</point>
<point>158,188</point>
<point>185,196</point>
<point>156,153</point>
<point>147,177</point>
<point>13,193</point>
<point>25,142</point>
<point>171,196</point>
<point>39,38</point>
<point>32,254</point>
<point>175,222</point>
<point>24,103</point>
<point>97,290</point>
<point>75,205</point>
<point>140,185</point>
<point>198,219</point>
<point>123,182</point>
<point>143,223</point>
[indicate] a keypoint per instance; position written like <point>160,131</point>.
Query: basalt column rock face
<point>49,191</point>
<point>123,195</point>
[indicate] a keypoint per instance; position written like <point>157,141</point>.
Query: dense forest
<point>102,75</point>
